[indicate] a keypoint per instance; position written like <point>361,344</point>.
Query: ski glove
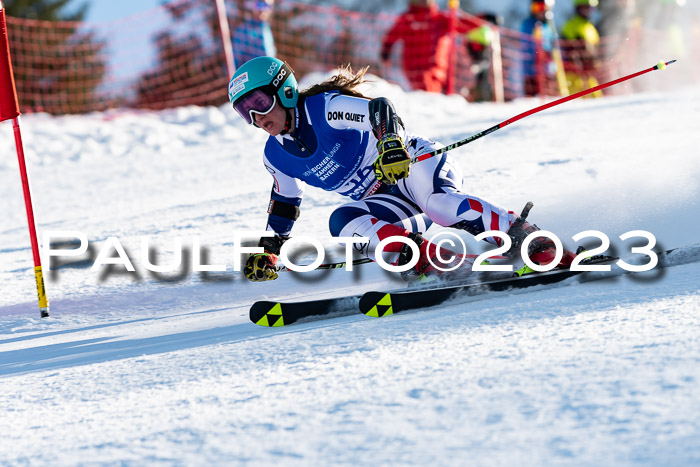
<point>263,266</point>
<point>393,162</point>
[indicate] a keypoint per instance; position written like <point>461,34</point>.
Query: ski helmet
<point>269,74</point>
<point>547,4</point>
<point>592,3</point>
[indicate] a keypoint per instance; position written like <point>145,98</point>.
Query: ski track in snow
<point>153,371</point>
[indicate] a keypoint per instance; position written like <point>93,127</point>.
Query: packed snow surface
<point>147,369</point>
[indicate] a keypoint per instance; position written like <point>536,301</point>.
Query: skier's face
<point>272,122</point>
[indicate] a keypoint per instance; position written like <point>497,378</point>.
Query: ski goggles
<point>255,102</point>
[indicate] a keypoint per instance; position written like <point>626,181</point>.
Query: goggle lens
<point>258,102</point>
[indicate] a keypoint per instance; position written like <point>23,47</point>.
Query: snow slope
<point>137,369</point>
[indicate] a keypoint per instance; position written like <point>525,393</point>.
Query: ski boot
<point>424,270</point>
<point>540,251</point>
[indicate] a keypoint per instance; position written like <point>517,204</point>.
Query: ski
<point>378,304</point>
<point>277,314</point>
<point>280,313</point>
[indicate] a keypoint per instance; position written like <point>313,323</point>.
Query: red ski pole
<point>659,66</point>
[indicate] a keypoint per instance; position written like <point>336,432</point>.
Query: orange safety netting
<point>174,55</point>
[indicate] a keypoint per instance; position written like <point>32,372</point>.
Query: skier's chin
<point>270,128</point>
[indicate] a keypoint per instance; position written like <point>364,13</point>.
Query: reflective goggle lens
<point>258,102</point>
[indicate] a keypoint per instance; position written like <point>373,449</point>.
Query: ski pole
<point>368,260</point>
<point>331,265</point>
<point>659,66</point>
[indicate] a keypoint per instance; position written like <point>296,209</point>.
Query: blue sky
<point>107,10</point>
<point>129,55</point>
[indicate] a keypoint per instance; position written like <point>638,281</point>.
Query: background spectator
<point>617,17</point>
<point>581,49</point>
<point>618,21</point>
<point>253,36</point>
<point>424,31</point>
<point>479,47</point>
<point>668,21</point>
<point>539,32</point>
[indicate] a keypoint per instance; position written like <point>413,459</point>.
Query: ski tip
<point>267,314</point>
<point>376,304</point>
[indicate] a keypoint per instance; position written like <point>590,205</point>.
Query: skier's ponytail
<point>345,82</point>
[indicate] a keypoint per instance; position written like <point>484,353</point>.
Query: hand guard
<point>263,266</point>
<point>393,162</point>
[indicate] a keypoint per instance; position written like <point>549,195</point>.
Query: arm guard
<point>383,118</point>
<point>282,212</point>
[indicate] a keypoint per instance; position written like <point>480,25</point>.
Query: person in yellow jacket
<point>580,47</point>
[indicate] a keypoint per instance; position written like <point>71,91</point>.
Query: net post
<point>225,36</point>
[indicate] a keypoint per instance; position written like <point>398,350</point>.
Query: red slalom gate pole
<point>38,274</point>
<point>659,66</point>
<point>9,110</point>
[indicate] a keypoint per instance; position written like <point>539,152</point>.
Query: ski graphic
<point>276,314</point>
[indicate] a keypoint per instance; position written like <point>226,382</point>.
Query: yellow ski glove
<point>392,163</point>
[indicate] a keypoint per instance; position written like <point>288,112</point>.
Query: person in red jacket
<point>425,33</point>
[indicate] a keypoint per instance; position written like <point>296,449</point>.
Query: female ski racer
<point>332,137</point>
